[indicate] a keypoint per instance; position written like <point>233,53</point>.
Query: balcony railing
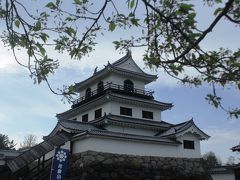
<point>127,90</point>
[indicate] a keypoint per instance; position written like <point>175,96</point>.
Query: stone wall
<point>92,165</point>
<point>102,166</point>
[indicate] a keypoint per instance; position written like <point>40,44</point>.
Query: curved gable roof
<point>125,65</point>
<point>127,60</point>
<point>183,128</point>
<point>118,120</point>
<point>236,148</point>
<point>70,126</point>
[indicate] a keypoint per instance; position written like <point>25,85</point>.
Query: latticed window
<point>100,87</point>
<point>88,92</point>
<point>125,111</point>
<point>128,85</point>
<point>98,113</point>
<point>147,114</point>
<point>188,144</point>
<point>85,118</point>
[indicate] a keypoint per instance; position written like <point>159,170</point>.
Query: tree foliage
<point>231,160</point>
<point>168,29</point>
<point>6,143</point>
<point>29,141</point>
<point>211,160</point>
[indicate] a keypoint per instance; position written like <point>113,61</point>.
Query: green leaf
<point>51,5</point>
<point>134,21</point>
<point>2,13</point>
<point>41,49</point>
<point>218,1</point>
<point>235,64</point>
<point>37,26</point>
<point>184,8</point>
<point>191,15</point>
<point>131,4</point>
<point>112,26</point>
<point>44,36</point>
<point>217,11</point>
<point>117,44</point>
<point>70,31</point>
<point>17,23</point>
<point>58,47</point>
<point>77,1</point>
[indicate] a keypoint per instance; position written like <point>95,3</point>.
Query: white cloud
<point>3,118</point>
<point>7,63</point>
<point>104,52</point>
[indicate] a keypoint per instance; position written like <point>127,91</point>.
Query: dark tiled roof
<point>152,77</point>
<point>125,58</point>
<point>236,148</point>
<point>114,67</point>
<point>134,122</point>
<point>119,135</point>
<point>37,151</point>
<point>74,111</point>
<point>93,128</point>
<point>118,97</point>
<point>179,128</point>
<point>164,106</point>
<point>222,170</point>
<point>76,126</point>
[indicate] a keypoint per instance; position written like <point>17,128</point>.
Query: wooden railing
<point>41,170</point>
<point>111,86</point>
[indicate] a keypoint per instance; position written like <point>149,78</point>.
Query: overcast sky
<point>26,108</point>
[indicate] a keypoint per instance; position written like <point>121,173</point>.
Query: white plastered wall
<point>191,153</point>
<point>123,147</point>
<point>229,176</point>
<point>129,130</point>
<point>136,111</point>
<point>114,108</point>
<point>128,147</point>
<point>106,108</point>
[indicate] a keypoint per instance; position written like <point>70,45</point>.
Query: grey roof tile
<point>136,122</point>
<point>37,151</point>
<point>112,134</point>
<point>236,148</point>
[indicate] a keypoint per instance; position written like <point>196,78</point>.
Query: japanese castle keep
<point>117,122</point>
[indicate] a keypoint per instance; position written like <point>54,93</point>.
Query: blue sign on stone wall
<point>59,164</point>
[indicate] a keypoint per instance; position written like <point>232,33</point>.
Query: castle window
<point>128,85</point>
<point>100,87</point>
<point>125,111</point>
<point>85,118</point>
<point>88,92</point>
<point>98,113</point>
<point>147,114</point>
<point>188,144</point>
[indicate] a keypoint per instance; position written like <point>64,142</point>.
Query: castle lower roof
<point>182,128</point>
<point>126,136</point>
<point>111,119</point>
<point>114,97</point>
<point>38,150</point>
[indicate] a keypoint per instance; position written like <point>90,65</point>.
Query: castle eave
<point>124,136</point>
<point>130,122</point>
